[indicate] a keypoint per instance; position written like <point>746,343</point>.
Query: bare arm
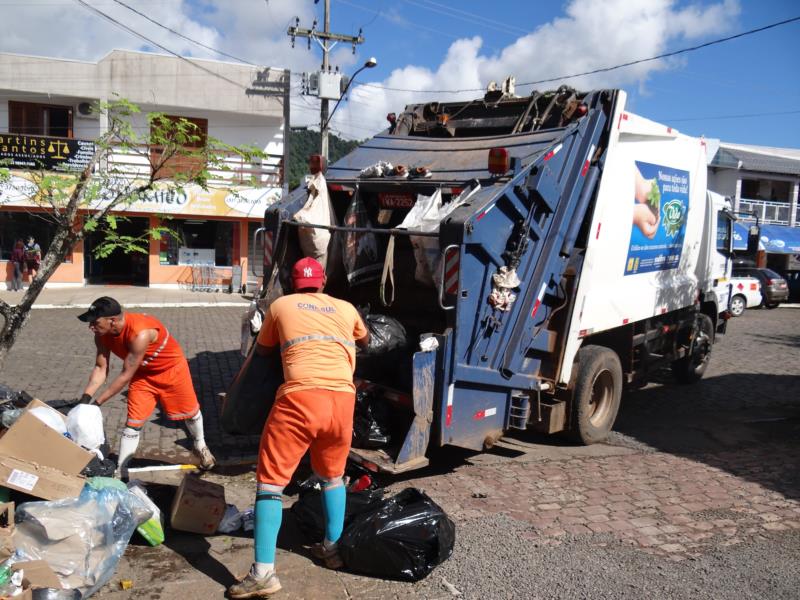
<point>262,350</point>
<point>100,370</point>
<point>135,356</point>
<point>364,341</point>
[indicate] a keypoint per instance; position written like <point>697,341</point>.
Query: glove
<point>86,399</point>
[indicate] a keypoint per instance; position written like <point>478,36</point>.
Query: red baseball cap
<point>307,273</point>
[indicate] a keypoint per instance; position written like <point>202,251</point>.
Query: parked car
<point>774,288</point>
<point>745,293</point>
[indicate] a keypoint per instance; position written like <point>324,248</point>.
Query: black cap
<point>104,306</point>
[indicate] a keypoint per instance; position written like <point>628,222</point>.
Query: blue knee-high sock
<point>268,513</point>
<point>333,503</point>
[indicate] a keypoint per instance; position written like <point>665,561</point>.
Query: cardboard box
<point>198,506</point>
<point>6,530</point>
<point>37,460</point>
<point>36,574</point>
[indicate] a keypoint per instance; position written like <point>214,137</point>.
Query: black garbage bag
<point>100,468</point>
<point>370,421</point>
<point>307,510</point>
<point>404,538</point>
<point>385,334</point>
<point>252,394</point>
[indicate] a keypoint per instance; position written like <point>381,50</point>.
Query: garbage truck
<point>542,253</point>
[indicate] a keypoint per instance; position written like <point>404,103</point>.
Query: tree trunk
<point>16,317</point>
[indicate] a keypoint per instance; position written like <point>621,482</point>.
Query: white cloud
<point>591,35</point>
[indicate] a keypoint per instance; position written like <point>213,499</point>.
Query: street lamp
<point>371,62</point>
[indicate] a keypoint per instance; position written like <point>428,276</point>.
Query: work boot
<point>253,587</point>
<point>207,460</point>
<point>328,555</point>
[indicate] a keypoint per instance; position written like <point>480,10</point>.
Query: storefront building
<point>44,112</point>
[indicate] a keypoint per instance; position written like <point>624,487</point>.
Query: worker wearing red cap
<point>316,336</point>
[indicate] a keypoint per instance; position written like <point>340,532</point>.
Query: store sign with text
<point>190,200</point>
<point>22,151</point>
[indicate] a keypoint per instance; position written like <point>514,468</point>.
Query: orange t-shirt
<point>161,354</point>
<point>316,334</point>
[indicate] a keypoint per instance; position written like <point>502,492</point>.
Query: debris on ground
<point>198,506</point>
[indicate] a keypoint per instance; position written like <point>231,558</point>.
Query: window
<point>18,226</point>
<point>180,164</point>
<point>212,236</point>
<point>724,225</point>
<point>39,119</point>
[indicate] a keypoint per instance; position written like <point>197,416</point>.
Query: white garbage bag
<point>85,426</point>
<point>316,211</point>
<point>50,417</point>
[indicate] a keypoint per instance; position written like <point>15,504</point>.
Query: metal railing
<point>234,170</point>
<point>768,211</point>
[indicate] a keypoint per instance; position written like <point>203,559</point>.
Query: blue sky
<point>431,45</point>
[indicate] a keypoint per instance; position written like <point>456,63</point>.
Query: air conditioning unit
<point>86,110</point>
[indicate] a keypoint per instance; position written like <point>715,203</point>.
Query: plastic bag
<point>252,394</point>
<point>405,538</point>
<point>424,216</point>
<point>307,511</point>
<point>151,530</point>
<point>50,417</point>
<point>385,334</point>
<point>231,520</point>
<point>85,426</point>
<point>82,538</point>
<point>316,211</point>
<point>362,260</point>
<point>370,421</point>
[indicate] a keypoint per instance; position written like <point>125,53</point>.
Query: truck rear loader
<point>575,250</point>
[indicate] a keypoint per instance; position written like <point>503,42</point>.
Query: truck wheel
<point>691,368</point>
<point>596,397</point>
<point>738,304</point>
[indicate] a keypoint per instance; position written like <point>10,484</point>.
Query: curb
<point>148,305</point>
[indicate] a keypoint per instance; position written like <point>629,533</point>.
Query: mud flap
<point>412,451</point>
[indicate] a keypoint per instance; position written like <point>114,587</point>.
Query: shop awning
<point>780,239</point>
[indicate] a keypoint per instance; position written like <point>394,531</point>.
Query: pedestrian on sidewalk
<point>18,262</point>
<point>316,336</point>
<point>154,368</point>
<point>33,256</point>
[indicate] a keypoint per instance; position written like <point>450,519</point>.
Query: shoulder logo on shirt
<point>315,308</point>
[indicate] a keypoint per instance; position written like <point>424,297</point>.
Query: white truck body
<point>613,291</point>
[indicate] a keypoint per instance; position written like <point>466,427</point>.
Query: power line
<point>185,37</point>
<point>468,17</point>
<point>603,69</point>
<point>743,116</point>
<point>114,21</point>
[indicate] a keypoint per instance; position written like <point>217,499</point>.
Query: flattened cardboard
<point>30,440</point>
<point>198,506</point>
<point>39,480</point>
<point>37,574</point>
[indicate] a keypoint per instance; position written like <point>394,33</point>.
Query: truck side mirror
<point>753,237</point>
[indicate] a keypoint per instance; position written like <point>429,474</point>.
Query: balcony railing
<point>769,211</point>
<point>135,163</point>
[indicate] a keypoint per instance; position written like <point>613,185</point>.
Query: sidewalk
<point>128,296</point>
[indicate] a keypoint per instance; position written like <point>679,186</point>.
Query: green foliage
<point>303,143</point>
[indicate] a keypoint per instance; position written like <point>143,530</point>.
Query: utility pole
<point>327,41</point>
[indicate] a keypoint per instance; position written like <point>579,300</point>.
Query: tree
<point>304,143</point>
<point>171,154</point>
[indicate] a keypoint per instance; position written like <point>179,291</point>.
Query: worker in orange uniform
<point>317,336</point>
<point>154,369</point>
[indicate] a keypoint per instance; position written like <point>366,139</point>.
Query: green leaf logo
<point>673,217</point>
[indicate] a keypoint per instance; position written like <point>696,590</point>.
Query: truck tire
<point>738,304</point>
<point>691,368</point>
<point>596,395</point>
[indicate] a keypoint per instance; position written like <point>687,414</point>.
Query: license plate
<point>394,200</point>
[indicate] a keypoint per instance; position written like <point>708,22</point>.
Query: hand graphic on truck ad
<point>660,204</point>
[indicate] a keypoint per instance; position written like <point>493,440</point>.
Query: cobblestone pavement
<point>697,492</point>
